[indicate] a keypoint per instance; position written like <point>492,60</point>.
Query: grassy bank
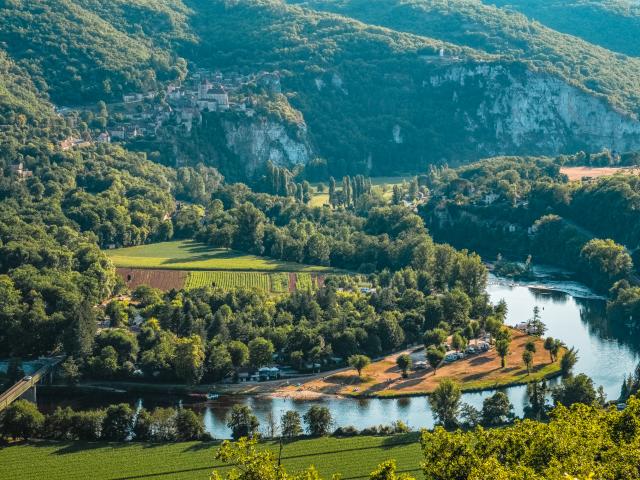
<point>355,458</point>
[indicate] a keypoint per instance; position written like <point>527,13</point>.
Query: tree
<point>493,325</point>
<point>605,261</point>
<point>458,342</point>
<point>291,424</point>
<point>549,344</point>
<point>536,325</point>
<point>118,423</point>
<point>248,462</point>
<point>556,349</point>
<point>143,427</point>
<point>250,233</point>
<point>219,363</point>
<point>434,357</point>
<point>497,410</point>
<point>568,361</point>
<point>470,416</point>
<point>502,348</point>
<point>116,311</point>
<point>105,365</point>
<point>527,358</point>
<point>70,371</point>
<point>260,352</point>
<point>21,420</point>
<point>242,422</point>
<point>404,363</point>
<point>189,359</point>
<point>530,346</point>
<point>189,425</point>
<point>434,338</point>
<point>359,362</point>
<point>387,471</point>
<point>318,420</point>
<point>537,394</point>
<point>87,425</point>
<point>445,402</point>
<point>239,354</point>
<point>578,389</point>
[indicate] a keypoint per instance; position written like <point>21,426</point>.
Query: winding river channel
<point>606,353</point>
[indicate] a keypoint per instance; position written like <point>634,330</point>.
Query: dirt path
<point>293,279</point>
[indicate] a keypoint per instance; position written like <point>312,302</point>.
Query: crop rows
<point>228,280</point>
<point>280,282</point>
<point>304,281</point>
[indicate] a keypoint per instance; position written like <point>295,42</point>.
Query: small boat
<point>212,396</point>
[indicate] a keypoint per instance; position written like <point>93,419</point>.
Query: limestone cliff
<point>518,111</point>
<point>259,140</point>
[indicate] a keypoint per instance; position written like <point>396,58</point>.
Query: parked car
<point>451,357</point>
<point>460,355</point>
<point>471,350</point>
<point>484,347</point>
<point>420,365</point>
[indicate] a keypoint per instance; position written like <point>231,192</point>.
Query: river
<point>572,314</point>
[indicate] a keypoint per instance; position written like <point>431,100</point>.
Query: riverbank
<point>383,379</point>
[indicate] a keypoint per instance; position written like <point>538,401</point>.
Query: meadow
<point>354,458</point>
<point>190,256</point>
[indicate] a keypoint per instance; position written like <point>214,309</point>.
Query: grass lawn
<point>190,255</point>
<point>355,458</point>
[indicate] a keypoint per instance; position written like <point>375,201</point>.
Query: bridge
<point>28,383</point>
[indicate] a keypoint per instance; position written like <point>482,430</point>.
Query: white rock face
<point>263,140</point>
<point>535,111</point>
<point>397,134</point>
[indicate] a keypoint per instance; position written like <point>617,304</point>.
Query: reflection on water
<point>606,353</point>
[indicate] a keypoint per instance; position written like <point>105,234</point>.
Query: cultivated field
<point>577,173</point>
<point>272,282</point>
<point>189,255</point>
<point>161,279</point>
<point>478,372</point>
<point>355,458</point>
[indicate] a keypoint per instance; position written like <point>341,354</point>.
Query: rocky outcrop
<point>259,140</point>
<point>514,110</point>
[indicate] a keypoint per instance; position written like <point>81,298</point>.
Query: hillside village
<point>175,109</point>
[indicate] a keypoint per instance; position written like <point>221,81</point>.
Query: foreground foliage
<point>578,442</point>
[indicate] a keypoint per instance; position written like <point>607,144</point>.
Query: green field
<point>355,458</point>
<point>190,255</point>
<point>228,280</point>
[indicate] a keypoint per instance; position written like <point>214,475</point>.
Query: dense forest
<point>612,24</point>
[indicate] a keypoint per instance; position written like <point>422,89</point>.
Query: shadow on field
<point>197,447</point>
<point>401,439</point>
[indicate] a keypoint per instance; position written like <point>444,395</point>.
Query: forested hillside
<point>378,88</point>
<point>613,24</point>
<point>494,30</point>
<point>77,55</point>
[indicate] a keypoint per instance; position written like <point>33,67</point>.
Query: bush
<point>22,420</point>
